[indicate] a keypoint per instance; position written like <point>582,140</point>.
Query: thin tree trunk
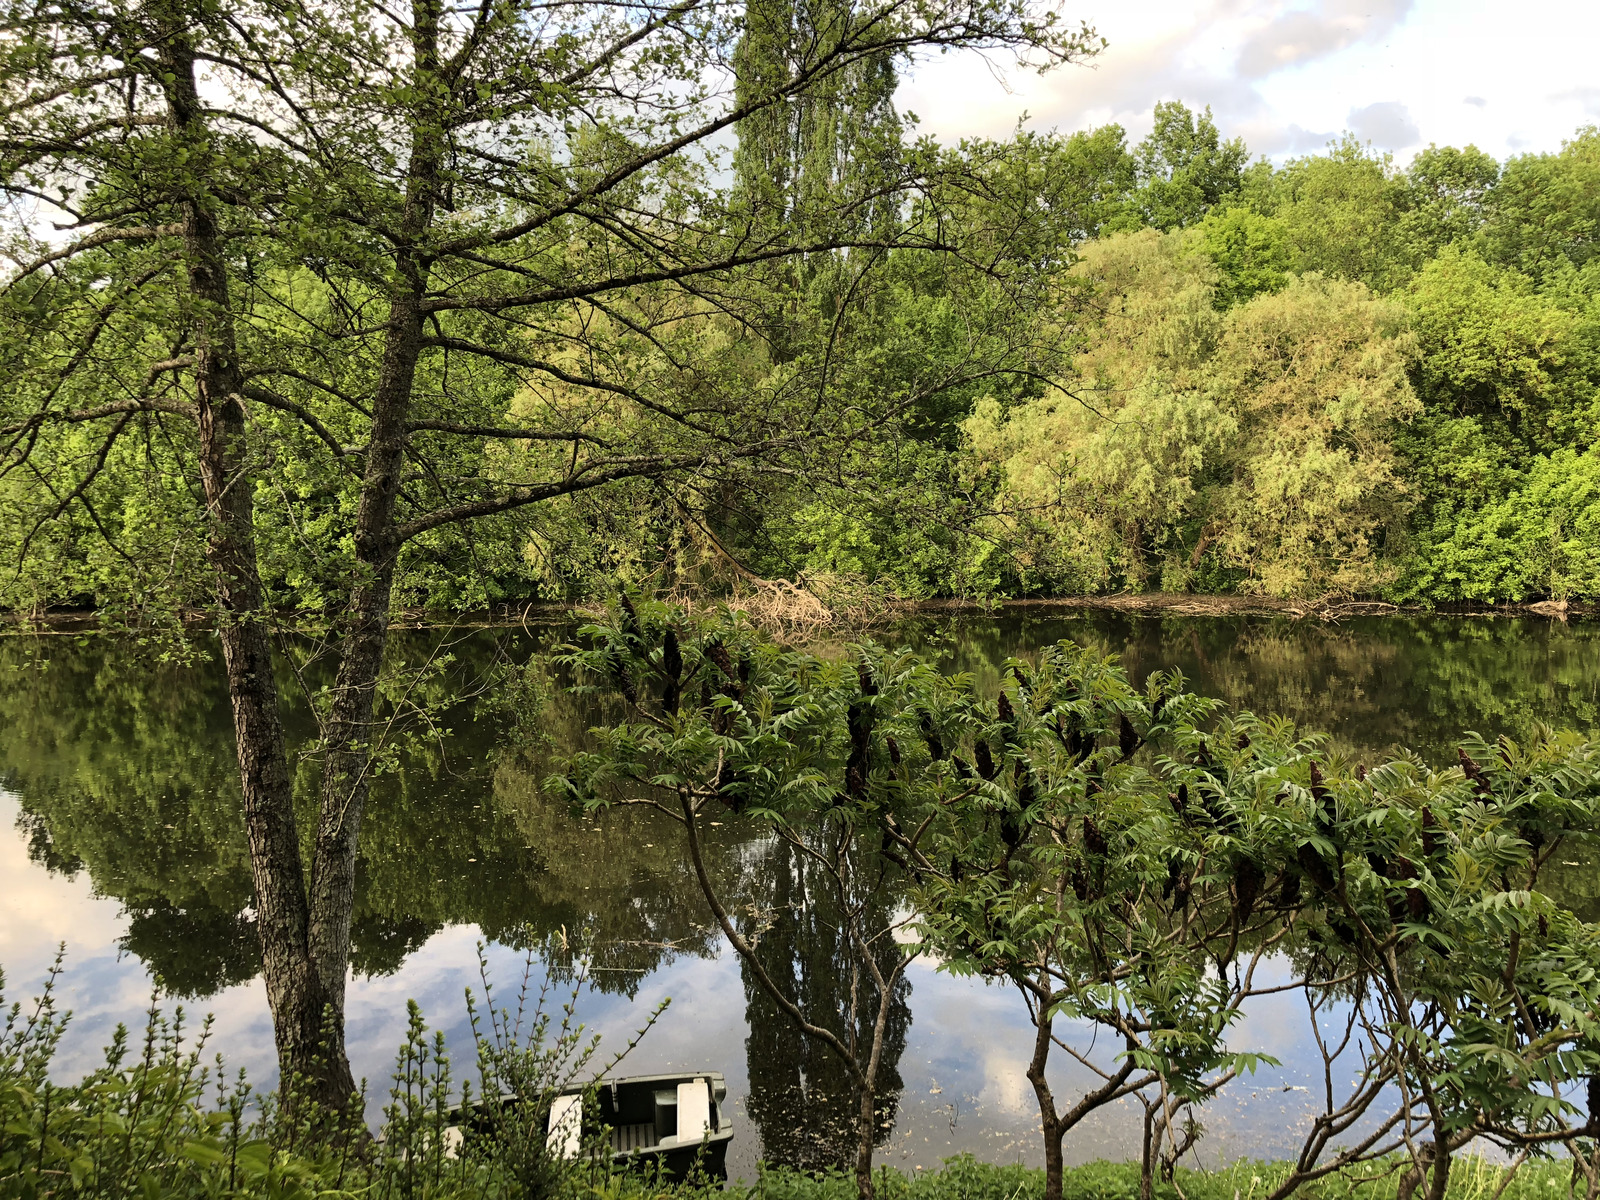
<point>1054,1123</point>
<point>363,628</point>
<point>1049,1119</point>
<point>867,1133</point>
<point>866,1126</point>
<point>1147,1159</point>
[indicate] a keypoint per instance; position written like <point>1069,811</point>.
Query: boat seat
<point>666,1113</point>
<point>694,1110</point>
<point>566,1126</point>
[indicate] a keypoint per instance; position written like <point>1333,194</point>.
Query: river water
<point>122,842</point>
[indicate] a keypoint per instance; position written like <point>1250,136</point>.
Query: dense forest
<point>1334,376</point>
<point>1089,367</point>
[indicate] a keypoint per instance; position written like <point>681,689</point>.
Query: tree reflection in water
<point>125,772</point>
<point>801,1096</point>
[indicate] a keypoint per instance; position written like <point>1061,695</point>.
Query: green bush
<point>965,1178</point>
<point>1541,540</point>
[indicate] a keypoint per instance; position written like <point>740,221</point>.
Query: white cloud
<point>1588,97</point>
<point>1287,75</point>
<point>1303,35</point>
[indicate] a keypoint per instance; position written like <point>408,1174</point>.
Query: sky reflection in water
<point>455,847</point>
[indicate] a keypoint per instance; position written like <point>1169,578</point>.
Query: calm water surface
<point>122,840</point>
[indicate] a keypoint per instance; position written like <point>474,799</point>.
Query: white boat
<point>671,1121</point>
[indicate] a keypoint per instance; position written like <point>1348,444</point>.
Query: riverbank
<point>1198,605</point>
<point>535,613</point>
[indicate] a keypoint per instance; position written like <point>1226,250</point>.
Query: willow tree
<point>1257,446</point>
<point>303,256</point>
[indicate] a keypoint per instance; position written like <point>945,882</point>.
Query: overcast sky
<point>1287,75</point>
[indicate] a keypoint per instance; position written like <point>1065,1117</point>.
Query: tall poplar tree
<point>829,152</point>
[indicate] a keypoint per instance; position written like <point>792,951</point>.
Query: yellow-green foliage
<point>1259,437</point>
<point>1316,377</point>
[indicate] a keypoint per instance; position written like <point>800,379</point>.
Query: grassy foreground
<point>965,1178</point>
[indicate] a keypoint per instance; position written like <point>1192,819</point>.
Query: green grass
<point>965,1178</point>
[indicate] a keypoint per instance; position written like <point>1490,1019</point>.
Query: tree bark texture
<point>1049,1119</point>
<point>310,1047</point>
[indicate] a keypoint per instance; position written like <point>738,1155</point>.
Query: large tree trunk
<point>310,1047</point>
<point>349,731</point>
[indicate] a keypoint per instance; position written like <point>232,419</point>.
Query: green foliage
<point>1045,873</point>
<point>1492,346</point>
<point>1422,885</point>
<point>1341,210</point>
<point>1544,213</point>
<point>156,1120</point>
<point>1251,253</point>
<point>1317,374</point>
<point>1541,538</point>
<point>938,379</point>
<point>1129,856</point>
<point>1184,167</point>
<point>1507,373</point>
<point>717,716</point>
<point>1085,480</point>
<point>834,147</point>
<point>1509,376</point>
<point>1449,191</point>
<point>960,1178</point>
<point>965,1178</point>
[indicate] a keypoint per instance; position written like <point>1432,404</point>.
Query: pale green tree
<point>1316,377</point>
<point>1262,437</point>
